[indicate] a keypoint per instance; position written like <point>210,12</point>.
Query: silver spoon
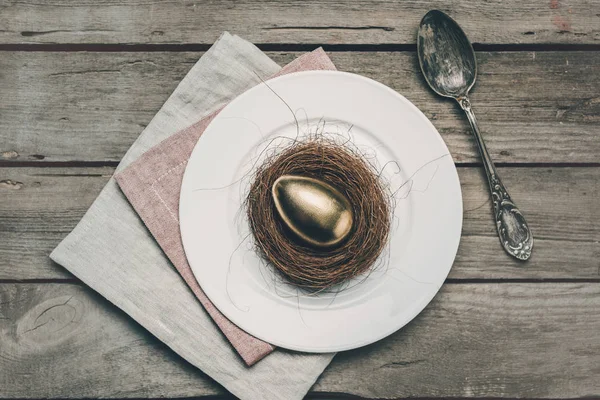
<point>448,63</point>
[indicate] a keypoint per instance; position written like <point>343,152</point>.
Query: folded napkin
<point>112,251</point>
<point>153,184</point>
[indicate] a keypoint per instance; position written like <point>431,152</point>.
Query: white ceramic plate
<point>393,133</point>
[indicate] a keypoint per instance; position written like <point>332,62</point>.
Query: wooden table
<point>80,79</point>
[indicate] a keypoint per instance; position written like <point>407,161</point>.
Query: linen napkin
<point>112,251</point>
<point>153,184</point>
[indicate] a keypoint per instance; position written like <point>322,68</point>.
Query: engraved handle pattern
<point>513,231</point>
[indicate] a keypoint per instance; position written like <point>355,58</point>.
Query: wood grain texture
<point>77,344</point>
<point>506,340</point>
<point>288,21</point>
<point>473,340</point>
<point>39,206</point>
<point>532,107</point>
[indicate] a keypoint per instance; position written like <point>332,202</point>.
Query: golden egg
<point>315,211</point>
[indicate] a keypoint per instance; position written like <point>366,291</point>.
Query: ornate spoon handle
<point>514,233</point>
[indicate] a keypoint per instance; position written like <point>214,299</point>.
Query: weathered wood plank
<point>537,341</point>
<point>288,21</point>
<point>84,347</point>
<point>39,206</point>
<point>533,107</point>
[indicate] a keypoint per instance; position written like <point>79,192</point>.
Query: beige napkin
<point>112,251</point>
<point>152,185</point>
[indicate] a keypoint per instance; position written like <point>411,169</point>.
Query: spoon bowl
<point>446,56</point>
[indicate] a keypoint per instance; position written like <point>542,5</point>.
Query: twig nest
<point>312,248</point>
<point>315,211</point>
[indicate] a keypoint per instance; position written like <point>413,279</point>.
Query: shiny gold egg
<point>315,211</point>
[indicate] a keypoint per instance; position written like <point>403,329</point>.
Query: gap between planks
<point>283,47</point>
<point>347,396</point>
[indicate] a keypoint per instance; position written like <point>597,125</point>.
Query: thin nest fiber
<point>345,169</point>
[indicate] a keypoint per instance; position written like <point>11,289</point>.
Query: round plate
<point>394,135</point>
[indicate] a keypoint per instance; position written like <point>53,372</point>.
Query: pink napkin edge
<point>136,181</point>
<point>139,191</point>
